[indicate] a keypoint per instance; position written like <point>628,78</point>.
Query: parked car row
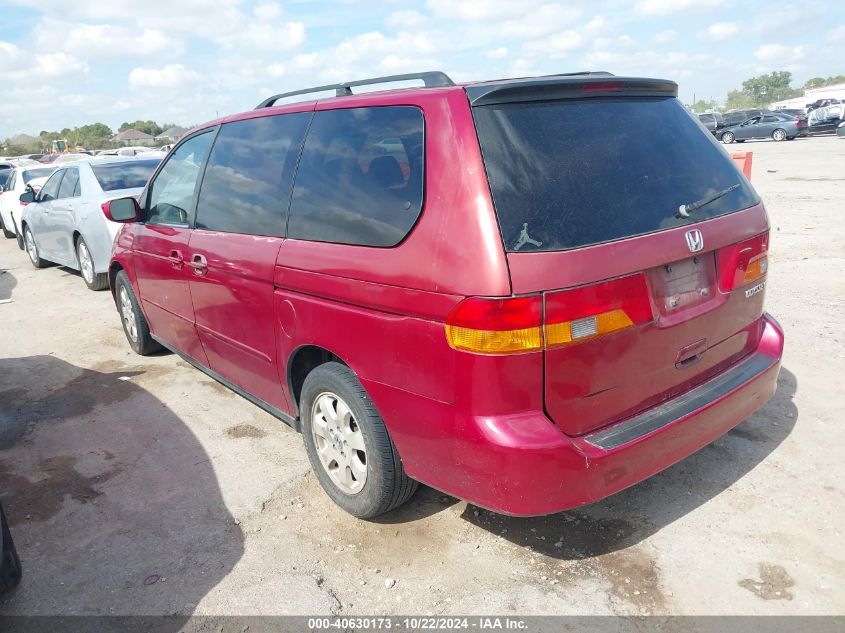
<point>56,212</point>
<point>779,125</point>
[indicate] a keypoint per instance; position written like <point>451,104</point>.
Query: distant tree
<point>818,82</point>
<point>703,106</point>
<point>148,127</point>
<point>763,90</point>
<point>737,99</point>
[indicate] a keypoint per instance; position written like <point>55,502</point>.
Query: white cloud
<point>105,41</point>
<point>665,37</point>
<point>558,45</point>
<point>405,20</point>
<point>544,20</point>
<point>269,11</point>
<point>19,66</point>
<point>497,53</point>
<point>778,53</point>
<point>837,34</point>
<point>666,7</point>
<point>719,31</point>
<point>171,76</point>
<point>479,10</point>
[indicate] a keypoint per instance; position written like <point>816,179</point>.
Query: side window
<point>247,181</point>
<point>50,190</point>
<point>770,119</point>
<point>360,178</point>
<point>10,184</point>
<point>69,183</point>
<point>172,192</point>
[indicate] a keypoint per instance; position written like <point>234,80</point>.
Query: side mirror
<point>27,197</point>
<point>122,210</point>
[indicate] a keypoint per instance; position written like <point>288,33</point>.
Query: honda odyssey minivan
<point>470,286</point>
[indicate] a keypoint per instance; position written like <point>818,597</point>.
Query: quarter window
<point>247,181</point>
<point>360,178</point>
<point>172,192</point>
<point>70,184</point>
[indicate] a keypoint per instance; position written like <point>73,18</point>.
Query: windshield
<point>39,172</point>
<point>128,175</point>
<point>566,174</point>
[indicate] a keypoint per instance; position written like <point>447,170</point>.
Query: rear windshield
<point>128,175</point>
<point>39,172</point>
<point>572,173</point>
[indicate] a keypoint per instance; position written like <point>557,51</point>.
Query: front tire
<point>32,249</point>
<point>94,281</point>
<point>348,445</point>
<point>135,326</point>
<point>779,135</point>
<point>728,138</point>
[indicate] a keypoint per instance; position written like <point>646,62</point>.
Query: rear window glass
<point>128,175</point>
<point>360,178</point>
<point>567,174</point>
<point>29,174</point>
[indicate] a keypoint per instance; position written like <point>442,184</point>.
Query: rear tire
<point>779,135</point>
<point>340,426</point>
<point>32,249</point>
<point>135,326</point>
<point>94,281</point>
<point>728,138</point>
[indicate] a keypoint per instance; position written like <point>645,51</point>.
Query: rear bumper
<point>527,466</point>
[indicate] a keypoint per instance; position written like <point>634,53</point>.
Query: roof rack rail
<point>433,79</point>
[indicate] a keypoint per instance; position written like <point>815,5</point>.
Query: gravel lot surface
<point>141,486</point>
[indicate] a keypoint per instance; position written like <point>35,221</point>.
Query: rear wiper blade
<point>685,209</point>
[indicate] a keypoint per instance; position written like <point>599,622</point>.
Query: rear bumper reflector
<point>682,406</point>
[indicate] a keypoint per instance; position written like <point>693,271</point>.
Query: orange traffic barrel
<point>743,162</point>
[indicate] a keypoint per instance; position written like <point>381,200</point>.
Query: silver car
<point>65,222</point>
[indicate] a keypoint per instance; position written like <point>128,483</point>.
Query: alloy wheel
<point>86,266</point>
<point>128,314</point>
<point>339,442</point>
<point>31,248</point>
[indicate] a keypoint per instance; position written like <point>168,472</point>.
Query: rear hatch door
<point>636,227</point>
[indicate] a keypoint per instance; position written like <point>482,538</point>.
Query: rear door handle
<point>199,264</point>
<point>176,260</point>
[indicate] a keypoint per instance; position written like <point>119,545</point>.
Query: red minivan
<point>527,293</point>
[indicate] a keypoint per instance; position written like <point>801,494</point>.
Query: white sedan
<point>65,222</point>
<point>10,205</point>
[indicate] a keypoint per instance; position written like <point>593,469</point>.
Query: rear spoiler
<point>576,86</point>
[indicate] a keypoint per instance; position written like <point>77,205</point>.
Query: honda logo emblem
<point>695,240</point>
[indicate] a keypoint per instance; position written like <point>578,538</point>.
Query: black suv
<point>713,121</point>
<point>735,117</point>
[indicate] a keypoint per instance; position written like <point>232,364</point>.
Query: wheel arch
<point>301,362</point>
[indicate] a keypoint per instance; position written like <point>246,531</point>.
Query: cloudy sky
<point>64,64</point>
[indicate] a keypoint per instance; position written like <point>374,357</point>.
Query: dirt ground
<point>140,486</point>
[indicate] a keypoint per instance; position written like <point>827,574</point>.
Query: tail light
<point>588,312</point>
<point>496,326</point>
<point>744,262</point>
<point>516,324</point>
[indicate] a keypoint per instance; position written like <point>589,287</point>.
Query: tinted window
<point>360,179</point>
<point>559,181</point>
<point>9,184</point>
<point>69,183</point>
<point>247,182</point>
<point>172,193</point>
<point>770,119</point>
<point>706,118</point>
<point>51,188</point>
<point>38,172</point>
<point>130,175</point>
